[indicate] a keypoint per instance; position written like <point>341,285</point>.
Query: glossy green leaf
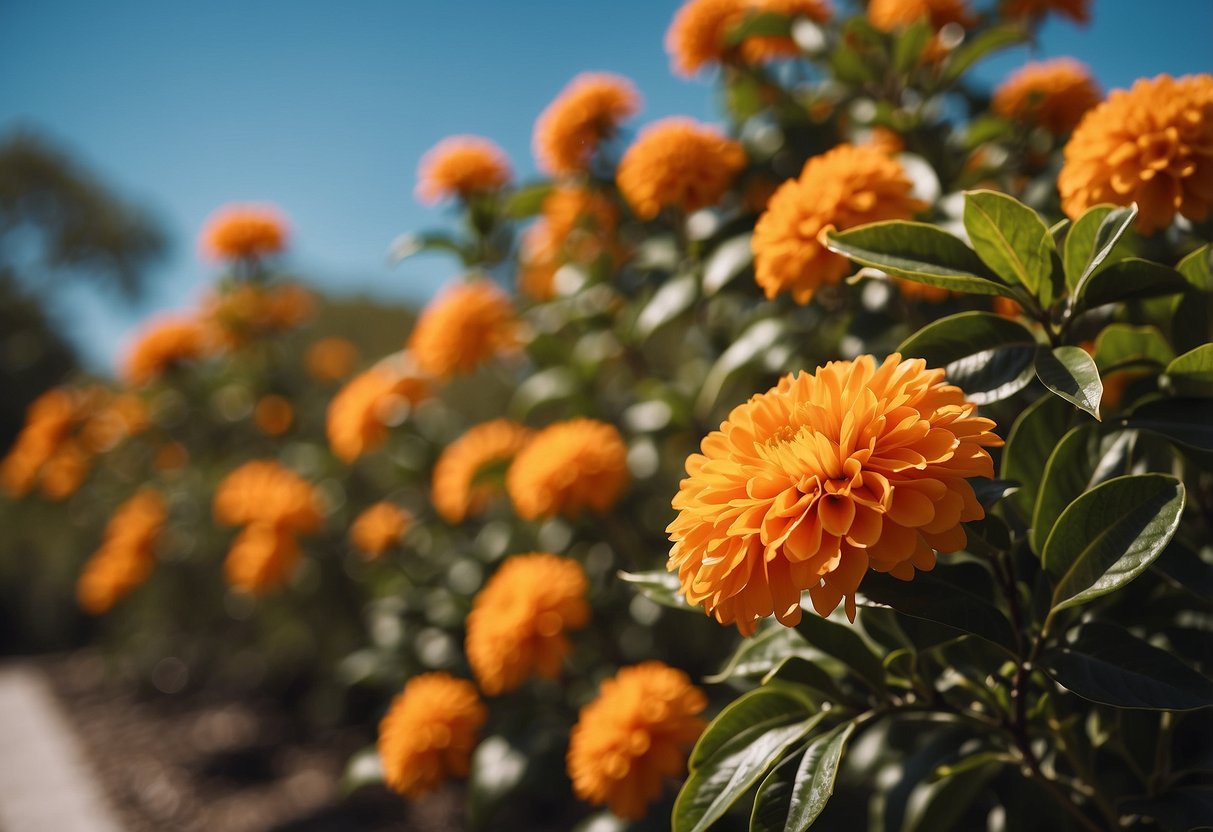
<point>1191,374</point>
<point>1078,463</point>
<point>797,670</point>
<point>1111,666</point>
<point>1071,373</point>
<point>727,261</point>
<point>986,43</point>
<point>676,295</point>
<point>930,598</point>
<point>1186,422</point>
<point>1109,535</point>
<point>659,586</point>
<point>919,252</point>
<point>1092,241</point>
<point>757,711</point>
<point>759,654</point>
<point>842,642</point>
<point>749,347</point>
<point>814,782</point>
<point>988,356</point>
<point>774,796</point>
<point>1129,279</point>
<point>1121,346</point>
<point>1010,238</point>
<point>1192,313</point>
<point>1033,437</point>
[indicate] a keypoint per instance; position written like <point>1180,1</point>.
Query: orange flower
<point>359,415</point>
<point>429,732</point>
<point>843,188</point>
<point>379,528</point>
<point>264,491</point>
<point>65,471</point>
<point>576,225</point>
<point>518,621</point>
<point>634,737</point>
<point>127,554</point>
<point>1151,144</point>
<point>467,324</point>
<point>330,359</point>
<point>48,424</point>
<point>263,556</point>
<point>1051,94</point>
<point>587,111</point>
<point>236,232</point>
<point>459,488</point>
<point>165,343</point>
<point>697,35</point>
<point>461,166</point>
<point>566,467</point>
<point>761,49</point>
<point>273,415</point>
<point>807,486</point>
<point>1077,10</point>
<point>679,163</point>
<point>888,15</point>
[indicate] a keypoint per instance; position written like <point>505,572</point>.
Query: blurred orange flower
<point>760,49</point>
<point>1151,144</point>
<point>265,491</point>
<point>459,487</point>
<point>697,35</point>
<point>263,556</point>
<point>845,187</point>
<point>48,424</point>
<point>429,732</point>
<point>461,166</point>
<point>379,528</point>
<point>587,111</point>
<point>567,467</point>
<point>1050,94</point>
<point>127,553</point>
<point>359,415</point>
<point>165,343</point>
<point>518,623</point>
<point>807,486</point>
<point>465,325</point>
<point>273,415</point>
<point>330,359</point>
<point>885,140</point>
<point>679,163</point>
<point>888,15</point>
<point>237,232</point>
<point>576,225</point>
<point>1077,10</point>
<point>635,737</point>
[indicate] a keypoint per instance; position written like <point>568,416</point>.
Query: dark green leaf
<point>1010,238</point>
<point>814,782</point>
<point>1120,346</point>
<point>842,642</point>
<point>919,252</point>
<point>659,586</point>
<point>757,655</point>
<point>757,711</point>
<point>1071,373</point>
<point>976,760</point>
<point>1129,279</point>
<point>1197,268</point>
<point>675,296</point>
<point>1111,666</point>
<point>1187,422</point>
<point>1092,241</point>
<point>1184,809</point>
<point>942,805</point>
<point>796,670</point>
<point>992,492</point>
<point>986,128</point>
<point>971,51</point>
<point>1071,470</point>
<point>986,355</point>
<point>933,599</point>
<point>774,796</point>
<point>1191,374</point>
<point>729,260</point>
<point>1109,535</point>
<point>527,200</point>
<point>1032,438</point>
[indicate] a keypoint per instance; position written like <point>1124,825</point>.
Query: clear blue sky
<point>324,108</point>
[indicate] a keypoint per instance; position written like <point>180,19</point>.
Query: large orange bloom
<point>461,166</point>
<point>888,15</point>
<point>467,324</point>
<point>588,110</point>
<point>166,343</point>
<point>1077,10</point>
<point>127,553</point>
<point>845,187</point>
<point>237,232</point>
<point>429,732</point>
<point>359,415</point>
<point>567,467</point>
<point>1051,94</point>
<point>634,737</point>
<point>460,487</point>
<point>1151,144</point>
<point>807,486</point>
<point>379,528</point>
<point>679,163</point>
<point>517,625</point>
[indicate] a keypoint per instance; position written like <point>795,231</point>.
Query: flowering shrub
<point>859,373</point>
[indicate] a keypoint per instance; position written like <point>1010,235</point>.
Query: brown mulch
<point>203,762</point>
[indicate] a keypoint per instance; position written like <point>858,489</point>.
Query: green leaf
<point>986,128</point>
<point>1186,422</point>
<point>774,796</point>
<point>991,40</point>
<point>526,200</point>
<point>975,760</point>
<point>1192,312</point>
<point>765,24</point>
<point>1109,535</point>
<point>1010,238</point>
<point>986,355</point>
<point>726,262</point>
<point>738,748</point>
<point>1191,374</point>
<point>676,295</point>
<point>1067,474</point>
<point>908,46</point>
<point>1197,268</point>
<point>759,654</point>
<point>1120,346</point>
<point>940,806</point>
<point>1182,809</point>
<point>842,642</point>
<point>797,670</point>
<point>814,782</point>
<point>1092,241</point>
<point>659,586</point>
<point>1071,373</point>
<point>1111,666</point>
<point>992,492</point>
<point>1032,438</point>
<point>753,343</point>
<point>919,252</point>
<point>1129,279</point>
<point>931,598</point>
